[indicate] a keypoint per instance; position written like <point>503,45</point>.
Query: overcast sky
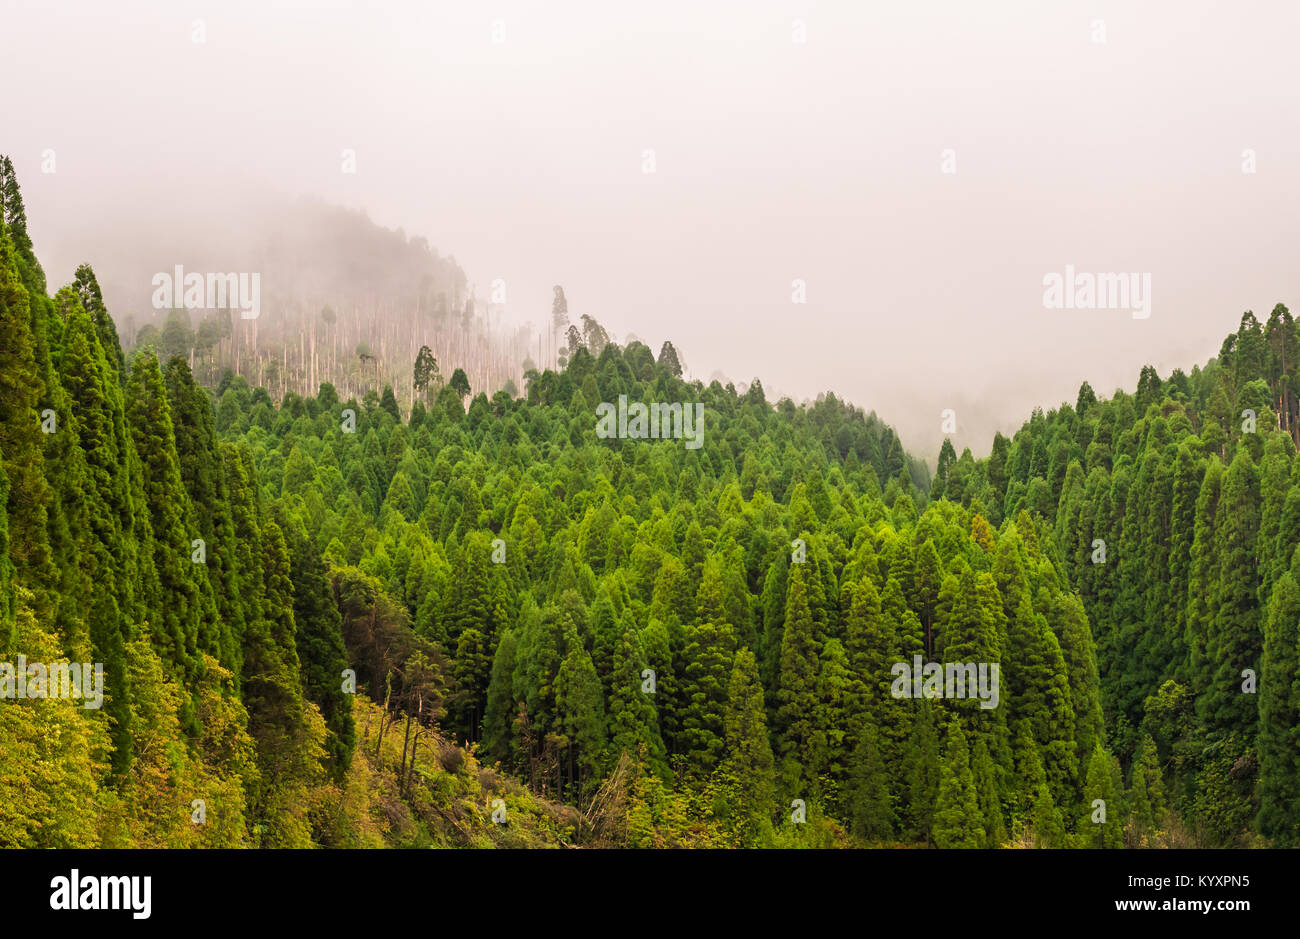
<point>774,160</point>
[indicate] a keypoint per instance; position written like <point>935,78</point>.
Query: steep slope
<point>1177,513</point>
<point>691,637</point>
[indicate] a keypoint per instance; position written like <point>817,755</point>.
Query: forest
<point>353,304</point>
<point>436,615</point>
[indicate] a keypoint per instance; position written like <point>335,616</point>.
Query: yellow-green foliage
<point>51,750</point>
<point>448,799</point>
<point>156,805</point>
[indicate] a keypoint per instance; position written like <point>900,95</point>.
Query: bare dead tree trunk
<point>416,741</point>
<point>406,740</point>
<point>383,720</point>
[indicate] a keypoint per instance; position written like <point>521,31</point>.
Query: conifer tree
<point>748,770</point>
<point>287,730</point>
<point>105,549</point>
<point>633,720</point>
<point>871,810</point>
<point>958,822</point>
<point>773,605</point>
<point>20,430</point>
<point>1202,584</point>
<point>176,627</point>
<point>921,772</point>
<point>204,481</point>
<point>1279,715</point>
<point>829,751</point>
<point>499,713</point>
<point>708,655</point>
<point>1040,690</point>
<point>1102,802</point>
<point>1048,828</point>
<point>1145,793</point>
<point>92,301</point>
<point>987,792</point>
<point>318,642</point>
<point>797,679</point>
<point>581,717</point>
<point>1234,640</point>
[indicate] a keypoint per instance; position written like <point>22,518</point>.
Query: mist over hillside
<point>695,425</point>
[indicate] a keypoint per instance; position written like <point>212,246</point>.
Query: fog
<point>514,137</point>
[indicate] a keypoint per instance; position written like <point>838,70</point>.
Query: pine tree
<point>498,715</point>
<point>986,790</point>
<point>581,718</point>
<point>797,679</point>
<point>1202,586</point>
<point>92,301</point>
<point>773,606</point>
<point>1069,624</point>
<point>921,772</point>
<point>1049,829</point>
<point>107,550</point>
<point>748,769</point>
<point>318,641</point>
<point>203,477</point>
<point>1146,792</point>
<point>871,812</point>
<point>1234,641</point>
<point>830,752</point>
<point>176,629</point>
<point>1103,803</point>
<point>1279,715</point>
<point>20,429</point>
<point>1039,687</point>
<point>947,456</point>
<point>957,817</point>
<point>633,720</point>
<point>287,729</point>
<point>708,655</point>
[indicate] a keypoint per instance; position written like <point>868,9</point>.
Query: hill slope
<point>1177,512</point>
<point>321,619</point>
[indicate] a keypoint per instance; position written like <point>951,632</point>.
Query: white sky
<point>775,160</point>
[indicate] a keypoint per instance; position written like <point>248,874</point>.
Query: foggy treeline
<point>344,301</point>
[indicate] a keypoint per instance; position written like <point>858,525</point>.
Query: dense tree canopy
<point>325,621</point>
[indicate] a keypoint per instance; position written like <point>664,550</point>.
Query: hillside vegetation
<point>475,621</point>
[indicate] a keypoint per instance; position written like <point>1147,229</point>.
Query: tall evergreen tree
<point>957,819</point>
<point>748,770</point>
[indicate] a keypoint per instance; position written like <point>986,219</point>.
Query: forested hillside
<point>1177,513</point>
<point>343,300</point>
<point>474,621</point>
<point>132,536</point>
